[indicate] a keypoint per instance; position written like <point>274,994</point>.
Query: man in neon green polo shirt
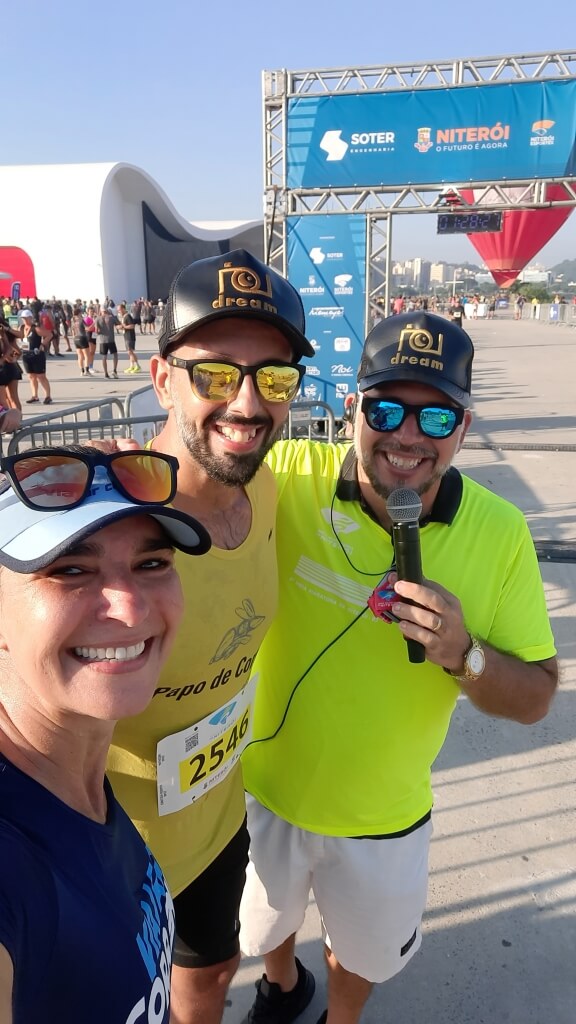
<point>346,728</point>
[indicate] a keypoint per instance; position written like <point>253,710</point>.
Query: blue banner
<point>327,265</point>
<point>479,133</point>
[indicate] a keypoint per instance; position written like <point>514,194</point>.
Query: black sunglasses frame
<point>8,462</point>
<point>245,371</point>
<point>368,403</point>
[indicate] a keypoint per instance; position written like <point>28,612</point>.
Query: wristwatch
<point>474,662</point>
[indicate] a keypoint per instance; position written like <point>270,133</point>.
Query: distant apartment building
<point>439,273</point>
<point>411,274</point>
<point>535,274</point>
<point>421,274</point>
<point>401,276</point>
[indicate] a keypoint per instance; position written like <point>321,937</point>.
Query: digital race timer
<point>468,223</point>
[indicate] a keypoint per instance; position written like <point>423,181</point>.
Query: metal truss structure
<point>379,204</point>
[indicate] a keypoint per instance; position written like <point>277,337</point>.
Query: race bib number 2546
<point>191,762</point>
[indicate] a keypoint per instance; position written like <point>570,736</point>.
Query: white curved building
<point>93,230</point>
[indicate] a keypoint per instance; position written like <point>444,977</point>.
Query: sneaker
<point>273,1006</point>
<point>30,401</point>
<point>107,375</point>
<point>90,371</point>
<point>48,401</point>
<point>114,374</point>
<point>128,370</point>
<point>137,369</point>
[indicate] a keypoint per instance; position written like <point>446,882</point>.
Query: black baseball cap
<point>420,347</point>
<point>233,284</point>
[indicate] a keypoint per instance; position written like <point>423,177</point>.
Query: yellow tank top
<point>230,600</point>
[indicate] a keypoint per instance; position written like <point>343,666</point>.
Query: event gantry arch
<point>348,149</point>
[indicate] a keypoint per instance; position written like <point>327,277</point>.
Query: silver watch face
<point>476,661</point>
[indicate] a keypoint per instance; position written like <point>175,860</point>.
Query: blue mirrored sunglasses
<point>387,414</point>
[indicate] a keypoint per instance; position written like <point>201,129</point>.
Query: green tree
<point>530,291</point>
<point>537,291</point>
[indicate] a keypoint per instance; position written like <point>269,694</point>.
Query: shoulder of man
<point>300,457</point>
<point>483,501</point>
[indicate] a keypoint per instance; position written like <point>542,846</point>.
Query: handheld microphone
<point>404,508</point>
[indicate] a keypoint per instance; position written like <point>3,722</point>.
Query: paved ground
<point>69,388</point>
<point>500,932</point>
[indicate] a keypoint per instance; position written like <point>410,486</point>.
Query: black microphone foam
<point>404,508</point>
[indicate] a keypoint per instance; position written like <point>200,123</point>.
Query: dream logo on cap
<point>418,340</point>
<point>238,286</point>
<point>233,284</point>
<point>418,346</point>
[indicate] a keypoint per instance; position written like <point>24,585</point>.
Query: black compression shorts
<point>208,910</point>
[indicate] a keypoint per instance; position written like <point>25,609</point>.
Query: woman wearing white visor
<point>89,605</point>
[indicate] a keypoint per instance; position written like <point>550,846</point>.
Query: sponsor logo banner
<point>453,134</point>
<point>326,263</point>
<point>342,344</point>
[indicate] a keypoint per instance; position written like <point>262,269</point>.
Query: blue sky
<point>175,88</point>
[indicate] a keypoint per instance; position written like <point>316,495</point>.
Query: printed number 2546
<point>209,760</point>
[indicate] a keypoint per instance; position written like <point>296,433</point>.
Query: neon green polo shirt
<point>358,726</point>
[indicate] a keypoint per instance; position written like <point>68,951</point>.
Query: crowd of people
<point>277,682</point>
<point>56,314</point>
<point>32,330</point>
<point>401,303</point>
<point>471,304</point>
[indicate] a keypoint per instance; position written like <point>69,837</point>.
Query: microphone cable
<point>272,736</point>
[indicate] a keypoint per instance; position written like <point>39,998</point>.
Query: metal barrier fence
<point>138,415</point>
<point>301,422</point>
<point>116,419</point>
<point>141,401</point>
<point>561,313</point>
<point>84,430</point>
<point>89,412</point>
<point>101,408</point>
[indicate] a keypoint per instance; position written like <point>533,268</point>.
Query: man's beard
<point>385,490</point>
<point>232,470</point>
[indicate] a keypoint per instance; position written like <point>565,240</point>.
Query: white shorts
<point>371,893</point>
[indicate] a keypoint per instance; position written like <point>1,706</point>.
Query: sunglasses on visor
<point>387,414</point>
<point>219,381</point>
<point>59,479</point>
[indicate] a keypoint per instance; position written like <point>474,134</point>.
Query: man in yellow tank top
<point>227,369</point>
<point>346,727</point>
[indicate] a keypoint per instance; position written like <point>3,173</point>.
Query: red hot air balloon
<point>524,233</point>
